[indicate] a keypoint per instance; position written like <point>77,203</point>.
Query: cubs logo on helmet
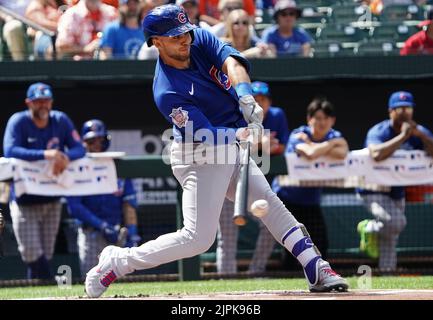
<point>182,17</point>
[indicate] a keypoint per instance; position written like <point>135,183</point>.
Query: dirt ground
<point>300,295</point>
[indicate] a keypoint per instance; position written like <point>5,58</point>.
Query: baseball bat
<point>241,195</point>
<point>123,236</point>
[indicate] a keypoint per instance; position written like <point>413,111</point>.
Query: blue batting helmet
<point>167,21</point>
<point>96,128</point>
<point>259,87</point>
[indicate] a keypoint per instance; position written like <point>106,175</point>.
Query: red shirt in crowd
<point>113,3</point>
<point>78,26</point>
<point>419,43</point>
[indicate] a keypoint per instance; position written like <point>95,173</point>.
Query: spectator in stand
<point>113,3</point>
<point>225,7</point>
<point>15,37</point>
<point>211,11</point>
<point>268,4</point>
<point>239,36</point>
<point>422,41</point>
<point>45,13</point>
<point>147,5</point>
<point>377,6</point>
<point>288,39</point>
<point>379,236</point>
<point>80,28</point>
<point>317,138</point>
<point>124,38</point>
<point>192,10</point>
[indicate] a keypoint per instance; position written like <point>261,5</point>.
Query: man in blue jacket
<point>36,134</point>
<point>379,236</point>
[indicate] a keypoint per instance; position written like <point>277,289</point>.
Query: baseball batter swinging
<point>202,87</point>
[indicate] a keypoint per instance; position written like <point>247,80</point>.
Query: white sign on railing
<point>82,177</point>
<point>403,168</point>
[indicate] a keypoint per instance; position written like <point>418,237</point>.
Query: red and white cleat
<point>328,279</point>
<point>101,276</point>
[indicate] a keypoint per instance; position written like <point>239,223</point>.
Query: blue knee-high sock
<point>298,242</point>
<point>39,269</point>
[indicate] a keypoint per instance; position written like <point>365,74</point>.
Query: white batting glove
<point>252,133</point>
<point>251,110</point>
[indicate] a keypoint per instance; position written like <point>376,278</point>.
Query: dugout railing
<point>342,211</point>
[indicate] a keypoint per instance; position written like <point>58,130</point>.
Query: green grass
<point>205,287</point>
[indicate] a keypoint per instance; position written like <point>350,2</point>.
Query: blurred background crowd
<point>110,29</point>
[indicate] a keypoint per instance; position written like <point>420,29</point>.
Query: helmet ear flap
<point>107,142</point>
<point>192,36</point>
<point>149,42</point>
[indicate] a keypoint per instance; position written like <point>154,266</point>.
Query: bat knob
<point>240,221</point>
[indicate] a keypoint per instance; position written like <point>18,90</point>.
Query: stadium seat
<point>393,32</point>
<point>405,31</point>
<point>316,3</point>
<point>311,15</point>
<point>330,49</point>
<point>385,32</point>
<point>260,27</point>
<point>400,13</point>
<point>311,28</point>
<point>265,17</point>
<point>341,34</point>
<point>378,48</point>
<point>347,13</point>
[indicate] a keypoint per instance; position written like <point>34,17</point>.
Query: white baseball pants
<point>205,187</point>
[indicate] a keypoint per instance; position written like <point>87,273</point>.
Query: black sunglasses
<point>244,22</point>
<point>94,140</point>
<point>288,13</point>
<point>233,8</point>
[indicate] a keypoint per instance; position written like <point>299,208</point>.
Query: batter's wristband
<point>132,229</point>
<point>243,89</point>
